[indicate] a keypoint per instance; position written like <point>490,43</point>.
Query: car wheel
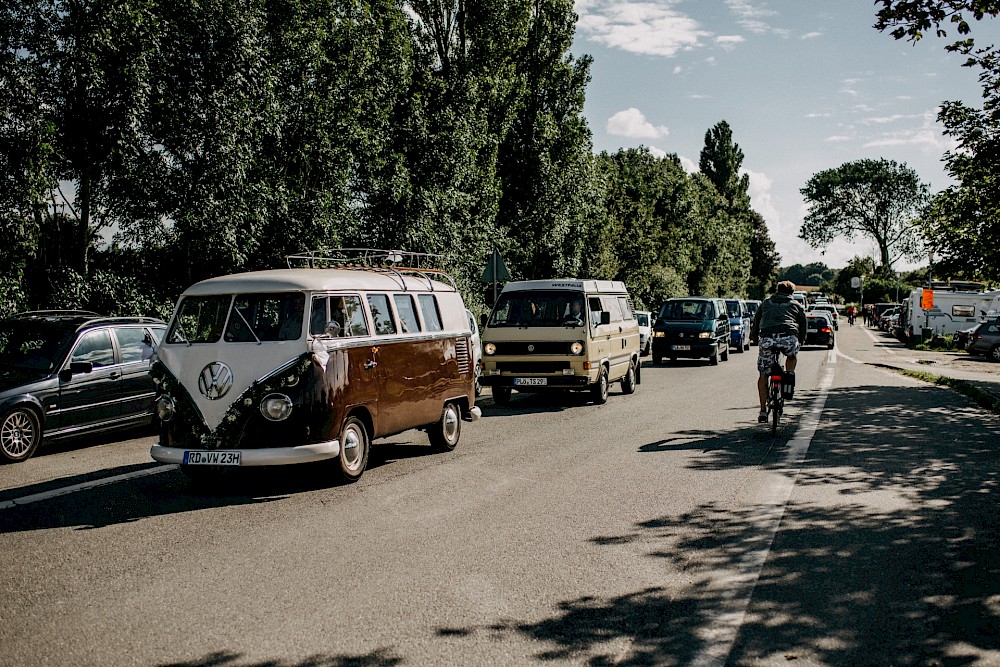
<point>714,359</point>
<point>995,353</point>
<point>354,446</point>
<point>444,433</point>
<point>20,435</point>
<point>829,345</point>
<point>740,349</point>
<point>628,382</point>
<point>501,395</point>
<point>724,355</point>
<point>600,389</point>
<point>657,360</point>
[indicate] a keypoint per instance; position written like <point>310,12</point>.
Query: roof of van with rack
<point>289,280</point>
<point>598,286</point>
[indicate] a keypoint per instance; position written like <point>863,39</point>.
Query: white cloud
<point>690,166</point>
<point>811,35</point>
<point>632,123</point>
<point>648,28</point>
<point>817,114</point>
<point>710,60</point>
<point>697,96</point>
<point>678,69</point>
<point>750,16</point>
<point>885,120</point>
<point>760,196</point>
<point>657,152</point>
<point>927,136</point>
<point>837,138</point>
<point>729,42</point>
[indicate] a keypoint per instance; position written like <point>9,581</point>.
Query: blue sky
<point>805,85</point>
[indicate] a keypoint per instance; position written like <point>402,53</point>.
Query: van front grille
<point>529,367</point>
<point>539,347</point>
<point>462,355</point>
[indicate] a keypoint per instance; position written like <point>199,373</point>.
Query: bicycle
<point>775,399</point>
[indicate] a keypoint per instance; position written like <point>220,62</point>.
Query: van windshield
<point>643,319</point>
<point>734,308</point>
<point>245,318</point>
<point>539,308</point>
<point>684,309</point>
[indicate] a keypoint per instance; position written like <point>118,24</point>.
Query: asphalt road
<point>662,528</point>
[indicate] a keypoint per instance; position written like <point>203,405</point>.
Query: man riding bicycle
<point>780,327</point>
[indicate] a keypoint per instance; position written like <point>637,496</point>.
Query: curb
<point>985,394</point>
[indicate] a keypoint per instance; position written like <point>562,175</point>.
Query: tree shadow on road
<point>888,551</point>
<point>382,657</point>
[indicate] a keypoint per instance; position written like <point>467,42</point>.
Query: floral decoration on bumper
<point>229,430</point>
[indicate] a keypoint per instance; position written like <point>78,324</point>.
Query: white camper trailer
<point>953,310</point>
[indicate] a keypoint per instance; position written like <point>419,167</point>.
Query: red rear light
<point>977,336</point>
<point>826,329</point>
<point>777,378</point>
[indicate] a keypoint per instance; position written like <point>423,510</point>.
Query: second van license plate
<point>680,347</point>
<point>531,382</point>
<point>212,458</point>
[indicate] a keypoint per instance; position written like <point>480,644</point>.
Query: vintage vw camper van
<point>312,362</point>
<point>561,334</point>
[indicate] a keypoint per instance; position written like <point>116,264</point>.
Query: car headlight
<point>276,407</point>
<point>165,408</point>
<point>489,349</point>
<point>736,327</point>
<point>576,347</point>
<point>705,334</point>
<point>659,334</point>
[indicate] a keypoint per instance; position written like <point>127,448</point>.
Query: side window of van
<point>381,314</point>
<point>611,305</point>
<point>595,310</point>
<point>320,315</point>
<point>355,322</point>
<point>407,313</point>
<point>429,309</point>
<point>626,308</point>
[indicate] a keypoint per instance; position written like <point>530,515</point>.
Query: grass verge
<point>980,397</point>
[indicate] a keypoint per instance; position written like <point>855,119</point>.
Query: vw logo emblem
<point>215,380</point>
<point>531,348</point>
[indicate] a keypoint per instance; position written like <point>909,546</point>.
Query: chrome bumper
<point>272,456</point>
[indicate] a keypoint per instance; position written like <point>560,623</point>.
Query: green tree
<point>878,199</point>
<point>764,258</point>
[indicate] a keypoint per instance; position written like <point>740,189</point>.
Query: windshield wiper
<point>179,331</point>
<point>249,328</point>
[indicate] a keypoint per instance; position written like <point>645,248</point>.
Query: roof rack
<point>397,263</point>
<point>55,312</point>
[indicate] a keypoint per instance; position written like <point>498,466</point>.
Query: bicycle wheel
<point>775,415</point>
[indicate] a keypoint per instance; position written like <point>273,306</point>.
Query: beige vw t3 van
<point>313,362</point>
<point>561,334</point>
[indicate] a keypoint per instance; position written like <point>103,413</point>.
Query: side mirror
<point>483,319</point>
<point>75,368</point>
<point>605,317</point>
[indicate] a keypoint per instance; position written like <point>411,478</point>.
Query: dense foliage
<point>962,223</point>
<point>151,144</point>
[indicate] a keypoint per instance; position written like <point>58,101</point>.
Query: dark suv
<point>692,327</point>
<point>64,373</point>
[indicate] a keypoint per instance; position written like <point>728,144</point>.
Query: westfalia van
<point>312,363</point>
<point>561,334</point>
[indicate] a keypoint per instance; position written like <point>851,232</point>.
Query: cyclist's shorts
<point>770,348</point>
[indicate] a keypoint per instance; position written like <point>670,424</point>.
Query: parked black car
<point>692,328</point>
<point>819,331</point>
<point>64,373</point>
<point>985,340</point>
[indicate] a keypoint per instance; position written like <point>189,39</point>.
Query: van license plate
<point>531,382</point>
<point>680,347</point>
<point>223,458</point>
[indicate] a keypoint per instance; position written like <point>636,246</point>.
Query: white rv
<point>953,310</point>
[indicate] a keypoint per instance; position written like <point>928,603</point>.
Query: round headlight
<point>705,334</point>
<point>276,407</point>
<point>490,348</point>
<point>165,408</point>
<point>576,347</point>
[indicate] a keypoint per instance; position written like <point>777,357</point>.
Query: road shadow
<point>382,657</point>
<point>540,402</point>
<point>888,550</point>
<point>169,491</point>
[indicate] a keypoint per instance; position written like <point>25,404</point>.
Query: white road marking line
<point>878,342</point>
<point>66,490</point>
<point>734,586</point>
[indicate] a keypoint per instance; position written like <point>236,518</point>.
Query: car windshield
<point>734,308</point>
<point>643,319</point>
<point>539,308</point>
<point>684,309</point>
<point>33,345</point>
<point>245,318</point>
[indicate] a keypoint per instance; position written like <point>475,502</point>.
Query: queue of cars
<point>313,362</point>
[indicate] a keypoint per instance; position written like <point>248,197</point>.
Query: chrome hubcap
<point>450,423</point>
<point>17,434</point>
<point>353,445</point>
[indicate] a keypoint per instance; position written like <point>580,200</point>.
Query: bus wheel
<point>600,389</point>
<point>354,446</point>
<point>444,434</point>
<point>628,382</point>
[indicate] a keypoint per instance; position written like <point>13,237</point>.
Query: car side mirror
<point>605,317</point>
<point>483,319</point>
<point>75,368</point>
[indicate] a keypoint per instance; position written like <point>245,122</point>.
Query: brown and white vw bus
<point>312,362</point>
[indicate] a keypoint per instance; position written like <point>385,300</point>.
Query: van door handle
<point>114,375</point>
<point>370,364</point>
